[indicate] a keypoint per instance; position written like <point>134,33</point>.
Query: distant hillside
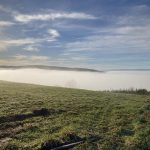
<point>49,68</point>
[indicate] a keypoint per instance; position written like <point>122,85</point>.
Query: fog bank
<point>113,80</point>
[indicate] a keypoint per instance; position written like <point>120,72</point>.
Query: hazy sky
<point>102,34</point>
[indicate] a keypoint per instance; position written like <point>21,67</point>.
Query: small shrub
<point>142,91</point>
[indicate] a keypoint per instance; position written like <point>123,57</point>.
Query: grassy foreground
<point>39,117</point>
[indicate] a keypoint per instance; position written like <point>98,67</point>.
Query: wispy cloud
<point>32,43</point>
<point>31,48</point>
<point>7,10</point>
<point>127,33</point>
<point>19,59</point>
<point>31,58</point>
<point>54,33</point>
<point>121,39</point>
<point>44,60</point>
<point>6,23</point>
<point>4,44</point>
<point>74,36</point>
<point>52,16</point>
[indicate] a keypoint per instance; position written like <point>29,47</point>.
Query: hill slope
<point>49,68</point>
<point>40,117</point>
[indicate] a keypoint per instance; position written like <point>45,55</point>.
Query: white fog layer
<point>113,80</point>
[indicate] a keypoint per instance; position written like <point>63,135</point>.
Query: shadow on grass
<point>35,113</point>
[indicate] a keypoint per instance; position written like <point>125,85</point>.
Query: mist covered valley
<point>111,80</point>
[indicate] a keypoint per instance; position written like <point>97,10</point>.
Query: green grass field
<point>40,117</point>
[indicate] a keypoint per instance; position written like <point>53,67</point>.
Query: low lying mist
<point>113,80</point>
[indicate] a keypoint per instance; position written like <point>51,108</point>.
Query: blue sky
<point>101,34</point>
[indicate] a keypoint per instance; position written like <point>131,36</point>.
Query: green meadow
<point>34,117</point>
